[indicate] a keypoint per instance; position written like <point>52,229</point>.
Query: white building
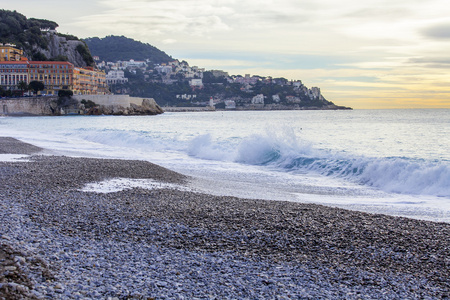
<point>258,99</point>
<point>219,73</point>
<point>314,93</point>
<point>196,82</point>
<point>164,69</point>
<point>114,77</point>
<point>136,64</point>
<point>297,83</point>
<point>230,104</point>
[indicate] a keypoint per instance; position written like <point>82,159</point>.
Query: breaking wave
<point>286,153</point>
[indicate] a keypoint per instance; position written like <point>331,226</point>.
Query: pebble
<point>174,244</point>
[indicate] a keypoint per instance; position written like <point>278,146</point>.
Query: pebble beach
<point>59,241</point>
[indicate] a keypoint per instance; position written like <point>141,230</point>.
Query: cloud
<point>156,17</point>
<point>439,31</point>
<point>169,41</point>
<point>380,13</point>
<point>431,62</point>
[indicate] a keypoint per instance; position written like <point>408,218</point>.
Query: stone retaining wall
<point>110,104</point>
<point>41,106</point>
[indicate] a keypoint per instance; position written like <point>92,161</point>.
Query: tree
<point>39,56</point>
<point>65,93</point>
<point>88,103</point>
<point>83,50</point>
<point>37,86</point>
<point>23,86</point>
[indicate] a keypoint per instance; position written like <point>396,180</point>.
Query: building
<point>55,75</point>
<point>230,104</point>
<point>114,77</point>
<point>219,73</point>
<point>247,79</point>
<point>163,69</point>
<point>13,72</point>
<point>198,83</point>
<point>8,52</point>
<point>297,84</point>
<point>87,81</point>
<point>136,64</point>
<point>258,99</point>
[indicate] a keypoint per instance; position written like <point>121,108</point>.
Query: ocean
<point>394,162</point>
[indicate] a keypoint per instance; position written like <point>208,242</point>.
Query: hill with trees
<point>115,48</point>
<point>40,41</point>
<point>24,33</point>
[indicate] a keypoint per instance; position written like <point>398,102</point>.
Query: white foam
<point>120,184</point>
<point>13,157</point>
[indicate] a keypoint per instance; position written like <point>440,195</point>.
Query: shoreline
<point>167,243</point>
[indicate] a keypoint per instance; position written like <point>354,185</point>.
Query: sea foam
<point>287,153</point>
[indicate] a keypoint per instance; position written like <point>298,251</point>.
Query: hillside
<point>115,48</point>
<point>40,41</point>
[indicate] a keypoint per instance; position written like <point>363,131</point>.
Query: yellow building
<point>87,81</point>
<point>55,75</point>
<point>8,52</point>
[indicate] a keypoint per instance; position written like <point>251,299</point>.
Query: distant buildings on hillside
<point>180,71</point>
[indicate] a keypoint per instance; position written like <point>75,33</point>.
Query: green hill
<point>25,33</point>
<point>115,48</point>
<point>40,41</point>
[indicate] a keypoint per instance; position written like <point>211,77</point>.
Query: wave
<point>287,153</point>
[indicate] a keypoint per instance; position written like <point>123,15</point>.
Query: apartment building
<point>13,72</point>
<point>8,52</point>
<point>55,75</point>
<point>88,81</point>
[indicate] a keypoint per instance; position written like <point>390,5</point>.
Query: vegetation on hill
<point>32,36</point>
<point>24,33</point>
<point>115,48</point>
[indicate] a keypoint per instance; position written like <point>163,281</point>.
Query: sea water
<point>394,162</point>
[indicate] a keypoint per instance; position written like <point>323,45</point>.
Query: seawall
<point>108,104</point>
<point>123,104</point>
<point>40,106</point>
<point>188,109</point>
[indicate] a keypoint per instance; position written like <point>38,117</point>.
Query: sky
<point>360,53</point>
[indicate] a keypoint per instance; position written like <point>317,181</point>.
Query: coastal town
<point>183,85</point>
<point>176,71</point>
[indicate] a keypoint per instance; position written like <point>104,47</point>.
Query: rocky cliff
<point>75,51</point>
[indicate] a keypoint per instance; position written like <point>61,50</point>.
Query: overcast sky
<point>361,53</point>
